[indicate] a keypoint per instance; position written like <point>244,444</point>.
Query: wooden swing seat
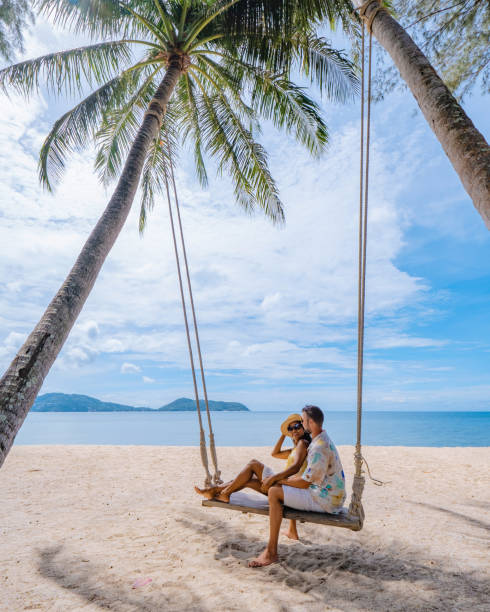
<point>342,519</point>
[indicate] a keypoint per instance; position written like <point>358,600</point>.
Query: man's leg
<point>276,499</point>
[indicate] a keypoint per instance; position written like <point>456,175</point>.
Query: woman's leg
<point>292,531</point>
<point>250,476</point>
<point>213,492</point>
<point>253,483</point>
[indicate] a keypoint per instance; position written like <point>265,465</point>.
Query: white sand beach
<point>81,524</point>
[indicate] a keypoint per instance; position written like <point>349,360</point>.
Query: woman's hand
<point>277,451</point>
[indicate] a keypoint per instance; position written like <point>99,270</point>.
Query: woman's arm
<point>301,450</point>
<point>277,451</point>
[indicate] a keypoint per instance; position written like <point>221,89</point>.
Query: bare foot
<point>263,560</point>
<point>223,497</point>
<point>291,535</point>
<point>208,493</point>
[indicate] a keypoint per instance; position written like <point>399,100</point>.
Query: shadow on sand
<point>92,585</point>
<point>350,574</point>
<point>354,572</point>
<point>459,515</point>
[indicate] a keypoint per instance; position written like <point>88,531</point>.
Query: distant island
<point>184,404</point>
<point>63,402</point>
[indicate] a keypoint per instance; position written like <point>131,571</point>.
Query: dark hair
<point>314,413</point>
<point>306,437</point>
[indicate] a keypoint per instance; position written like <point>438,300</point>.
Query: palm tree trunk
<point>20,384</point>
<point>465,146</point>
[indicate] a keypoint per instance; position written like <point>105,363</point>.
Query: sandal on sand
<point>141,582</point>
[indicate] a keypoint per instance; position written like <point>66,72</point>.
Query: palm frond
<point>147,24</point>
<point>98,18</point>
<point>103,18</point>
<point>283,17</point>
<point>276,98</point>
<point>212,10</point>
<point>119,128</point>
<point>154,170</point>
<point>327,68</point>
<point>77,127</point>
<point>157,173</point>
<point>67,71</point>
<point>166,20</point>
<point>15,17</point>
<point>219,77</point>
<point>238,154</point>
<point>287,106</point>
<point>190,126</point>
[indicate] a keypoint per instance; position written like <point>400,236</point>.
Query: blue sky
<point>276,306</point>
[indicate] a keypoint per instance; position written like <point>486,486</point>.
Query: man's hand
<point>267,483</point>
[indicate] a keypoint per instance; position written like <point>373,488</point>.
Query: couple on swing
<point>313,479</point>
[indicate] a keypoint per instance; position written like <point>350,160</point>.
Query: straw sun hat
<point>292,418</point>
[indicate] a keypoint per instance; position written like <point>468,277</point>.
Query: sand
<point>80,525</point>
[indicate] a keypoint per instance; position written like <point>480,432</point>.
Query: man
<point>321,487</point>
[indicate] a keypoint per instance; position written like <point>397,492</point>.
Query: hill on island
<point>63,402</point>
<point>184,404</point>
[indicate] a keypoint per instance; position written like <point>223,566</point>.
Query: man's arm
<point>316,470</point>
<point>295,481</point>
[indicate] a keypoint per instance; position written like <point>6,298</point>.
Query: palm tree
<point>207,71</point>
<point>464,145</point>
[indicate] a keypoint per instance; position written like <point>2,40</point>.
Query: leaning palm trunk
<point>465,146</point>
<point>23,379</point>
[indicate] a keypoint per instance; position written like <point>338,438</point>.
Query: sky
<point>276,306</point>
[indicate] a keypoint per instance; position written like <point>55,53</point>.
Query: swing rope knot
<point>368,19</point>
<point>355,507</point>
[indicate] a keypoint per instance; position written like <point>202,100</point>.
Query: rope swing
<point>354,517</point>
<point>355,507</point>
<point>216,478</point>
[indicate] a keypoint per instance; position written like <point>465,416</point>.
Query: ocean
<point>252,428</point>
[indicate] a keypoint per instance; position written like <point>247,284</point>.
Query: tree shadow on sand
<point>350,574</point>
<point>459,515</point>
<point>80,576</point>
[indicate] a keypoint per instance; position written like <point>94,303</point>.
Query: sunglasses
<point>295,427</point>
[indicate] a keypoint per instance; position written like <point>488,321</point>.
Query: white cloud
<point>76,357</point>
<point>130,368</point>
<point>473,397</point>
<point>284,296</point>
<point>147,379</point>
<point>89,328</point>
<point>403,340</point>
<point>11,345</point>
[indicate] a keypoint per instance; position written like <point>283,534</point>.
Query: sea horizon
<point>254,428</point>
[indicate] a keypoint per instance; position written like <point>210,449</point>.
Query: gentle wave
<point>253,428</point>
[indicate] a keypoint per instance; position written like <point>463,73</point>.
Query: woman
<point>255,475</point>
